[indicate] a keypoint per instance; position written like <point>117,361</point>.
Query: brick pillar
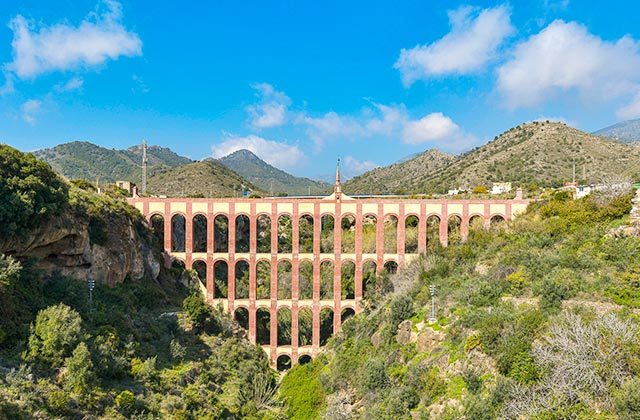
<point>337,264</point>
<point>273,311</point>
<point>188,235</point>
<point>295,261</point>
<point>487,215</point>
<point>400,237</point>
<point>167,227</point>
<point>507,210</point>
<point>358,250</point>
<point>252,322</point>
<point>273,330</point>
<point>294,332</point>
<point>252,272</point>
<point>315,339</point>
<point>210,248</point>
<point>380,238</point>
<point>464,224</point>
<point>444,225</point>
<point>231,277</point>
<point>422,229</point>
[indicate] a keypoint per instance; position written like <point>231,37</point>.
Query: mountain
<point>624,132</point>
<point>401,176</point>
<point>269,178</point>
<point>540,152</point>
<point>81,159</point>
<point>208,178</point>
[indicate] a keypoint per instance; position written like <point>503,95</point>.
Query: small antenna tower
<point>144,167</point>
<point>574,173</point>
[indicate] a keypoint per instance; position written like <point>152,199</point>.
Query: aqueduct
<point>291,270</point>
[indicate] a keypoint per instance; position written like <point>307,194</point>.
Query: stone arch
<point>369,273</point>
<point>157,225</point>
<point>285,279</point>
<point>199,233</point>
<point>305,326</point>
<point>285,234</point>
<point>221,233</point>
<point>178,264</point>
<point>200,267</point>
<point>433,232</point>
<point>178,233</point>
<point>348,280</point>
<point>326,325</point>
<point>263,326</point>
<point>496,220</point>
<point>454,234</point>
<point>263,232</point>
<point>304,359</point>
<point>391,234</point>
<point>327,225</point>
<point>283,362</point>
<point>346,314</point>
<point>243,228</point>
<point>241,315</point>
<point>221,278</point>
<point>391,267</point>
<point>326,279</point>
<point>242,279</point>
<point>284,326</point>
<point>305,280</point>
<point>305,234</point>
<point>411,226</point>
<point>263,279</point>
<point>369,227</point>
<point>348,227</point>
<point>476,223</point>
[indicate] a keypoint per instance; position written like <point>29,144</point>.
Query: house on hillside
<point>500,187</point>
<point>127,186</point>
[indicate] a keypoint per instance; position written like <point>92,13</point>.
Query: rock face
<point>63,247</point>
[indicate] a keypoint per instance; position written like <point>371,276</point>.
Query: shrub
<point>472,380</point>
<point>301,391</point>
<point>627,399</point>
<point>197,310</point>
<point>79,377</point>
<point>374,375</point>
<point>144,371</point>
<point>56,331</point>
<point>401,309</point>
<point>125,400</point>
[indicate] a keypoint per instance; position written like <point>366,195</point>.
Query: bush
<point>125,400</point>
<point>401,309</point>
<point>302,392</point>
<point>79,377</point>
<point>56,332</point>
<point>374,375</point>
<point>627,400</point>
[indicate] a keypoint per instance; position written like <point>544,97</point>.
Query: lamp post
<point>433,292</point>
<point>91,283</point>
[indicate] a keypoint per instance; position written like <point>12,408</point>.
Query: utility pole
<point>144,167</point>
<point>91,283</point>
<point>433,292</point>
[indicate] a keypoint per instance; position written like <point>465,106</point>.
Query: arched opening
<point>242,233</point>
<point>476,223</point>
<point>368,277</point>
<point>348,241</point>
<point>283,362</point>
<point>241,315</point>
<point>178,233</point>
<point>391,267</point>
<point>263,279</point>
<point>497,220</point>
<point>221,233</point>
<point>411,234</point>
<point>326,233</point>
<point>157,225</point>
<point>284,327</point>
<point>221,278</point>
<point>263,232</point>
<point>305,280</point>
<point>178,265</point>
<point>390,234</point>
<point>346,314</point>
<point>453,230</point>
<point>369,226</point>
<point>348,280</point>
<point>263,326</point>
<point>433,232</point>
<point>305,327</point>
<point>304,359</point>
<point>326,280</point>
<point>305,234</point>
<point>242,280</point>
<point>284,279</point>
<point>285,234</point>
<point>200,268</point>
<point>199,233</point>
<point>326,325</point>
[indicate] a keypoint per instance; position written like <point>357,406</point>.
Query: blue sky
<point>302,83</point>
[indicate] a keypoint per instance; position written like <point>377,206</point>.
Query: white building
<point>500,187</point>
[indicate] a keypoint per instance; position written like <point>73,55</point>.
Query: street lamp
<point>91,283</point>
<point>433,292</point>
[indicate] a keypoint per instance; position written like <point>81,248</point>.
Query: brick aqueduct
<point>293,289</point>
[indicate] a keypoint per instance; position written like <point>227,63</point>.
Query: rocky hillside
<point>84,160</point>
<point>208,178</point>
<point>624,132</point>
<point>401,177</point>
<point>540,152</point>
<point>269,178</point>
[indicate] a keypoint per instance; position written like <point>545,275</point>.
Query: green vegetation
<point>520,310</point>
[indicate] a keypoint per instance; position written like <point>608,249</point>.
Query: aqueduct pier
<point>292,269</point>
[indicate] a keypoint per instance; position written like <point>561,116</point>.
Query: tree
<point>197,310</point>
<point>56,331</point>
<point>80,375</point>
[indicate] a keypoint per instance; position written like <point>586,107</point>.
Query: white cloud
<point>60,47</point>
<point>355,167</point>
<point>436,128</point>
<point>70,85</point>
<point>473,41</point>
<point>331,126</point>
<point>30,109</point>
<point>280,155</point>
<point>565,57</point>
<point>271,111</point>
